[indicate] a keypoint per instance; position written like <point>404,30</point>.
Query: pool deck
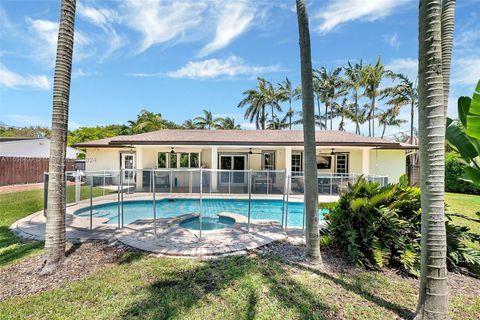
<point>166,238</point>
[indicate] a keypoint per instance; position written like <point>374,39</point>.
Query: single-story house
<point>338,154</point>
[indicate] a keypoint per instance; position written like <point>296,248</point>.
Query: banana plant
<point>463,135</point>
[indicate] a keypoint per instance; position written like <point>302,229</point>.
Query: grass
<point>16,205</point>
<point>230,288</point>
<point>141,287</point>
<point>467,205</point>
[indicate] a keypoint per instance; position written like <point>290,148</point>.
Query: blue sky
<point>179,57</point>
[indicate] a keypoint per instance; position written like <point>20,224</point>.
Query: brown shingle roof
<point>242,137</point>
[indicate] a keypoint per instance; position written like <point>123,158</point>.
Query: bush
<point>454,170</point>
<point>376,225</point>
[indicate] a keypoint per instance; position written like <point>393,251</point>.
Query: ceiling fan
<point>251,152</point>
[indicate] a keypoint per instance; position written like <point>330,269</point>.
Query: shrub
<point>376,225</point>
<point>454,170</point>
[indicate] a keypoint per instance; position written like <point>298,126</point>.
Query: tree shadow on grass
<point>12,248</point>
<point>363,292</point>
<point>176,292</point>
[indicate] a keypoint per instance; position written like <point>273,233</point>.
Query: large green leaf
<point>473,125</point>
<point>463,109</point>
<point>473,174</point>
<point>475,104</point>
<point>457,138</point>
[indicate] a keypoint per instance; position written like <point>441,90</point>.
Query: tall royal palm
<point>55,227</point>
<point>448,26</point>
<point>288,93</point>
<point>308,107</point>
<point>353,81</point>
<point>226,123</point>
<point>331,87</point>
<point>372,76</point>
<point>319,96</point>
<point>343,111</point>
<point>433,295</point>
<point>403,93</point>
<point>206,121</point>
<point>389,118</point>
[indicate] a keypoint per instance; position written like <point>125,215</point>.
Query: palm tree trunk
<point>357,127</point>
<point>326,115</point>
<point>412,113</point>
<point>373,116</point>
<point>319,113</point>
<point>433,297</point>
<point>311,184</point>
<point>55,226</point>
<point>290,114</point>
<point>384,128</point>
<point>448,26</point>
<point>273,117</point>
<point>263,117</point>
<point>331,114</point>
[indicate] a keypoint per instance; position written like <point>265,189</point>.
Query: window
<point>183,160</point>
<point>268,160</point>
<point>342,162</point>
<point>296,164</point>
<point>324,162</point>
<point>162,160</point>
<point>194,160</point>
<point>178,160</point>
<point>173,160</point>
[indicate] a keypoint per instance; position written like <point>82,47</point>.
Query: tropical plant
<point>432,108</point>
<point>331,87</point>
<point>226,123</point>
<point>190,124</point>
<point>55,226</point>
<point>454,170</point>
<point>206,121</point>
<point>344,111</point>
<point>278,124</point>
<point>464,135</point>
<point>372,76</point>
<point>403,93</point>
<point>149,121</point>
<point>353,81</point>
<point>308,107</point>
<point>257,100</point>
<point>389,117</point>
<point>375,226</point>
<point>287,93</point>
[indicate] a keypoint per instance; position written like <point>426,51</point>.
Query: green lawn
<point>467,205</point>
<point>16,205</point>
<point>142,287</point>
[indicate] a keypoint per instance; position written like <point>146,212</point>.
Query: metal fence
<point>120,188</point>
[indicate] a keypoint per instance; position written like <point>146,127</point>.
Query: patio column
<point>288,163</point>
<point>365,161</point>
<point>214,166</point>
<point>139,165</point>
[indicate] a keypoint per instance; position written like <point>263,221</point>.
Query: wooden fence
<point>18,170</point>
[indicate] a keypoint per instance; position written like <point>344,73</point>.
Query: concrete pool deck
<point>169,239</point>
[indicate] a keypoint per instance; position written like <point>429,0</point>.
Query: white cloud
<point>407,66</point>
<point>213,68</point>
<point>44,40</point>
<point>465,71</point>
<point>104,19</point>
<point>392,40</point>
<point>26,120</point>
<point>11,79</point>
<point>233,19</point>
<point>338,12</point>
<point>79,73</point>
<point>161,21</point>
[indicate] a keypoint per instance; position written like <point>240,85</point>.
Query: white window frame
<point>274,160</point>
<point>299,167</point>
<point>347,162</point>
<point>177,155</point>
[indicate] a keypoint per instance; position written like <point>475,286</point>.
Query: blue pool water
<point>208,223</point>
<point>168,208</point>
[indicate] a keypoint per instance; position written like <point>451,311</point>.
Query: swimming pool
<point>208,223</point>
<point>169,208</point>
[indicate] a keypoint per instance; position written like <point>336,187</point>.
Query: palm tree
<point>448,26</point>
<point>319,121</point>
<point>353,81</point>
<point>344,111</point>
<point>205,122</point>
<point>226,123</point>
<point>289,117</point>
<point>318,93</point>
<point>308,106</point>
<point>331,87</point>
<point>404,93</point>
<point>372,76</point>
<point>189,124</point>
<point>288,93</point>
<point>55,226</point>
<point>148,121</point>
<point>389,117</point>
<point>433,295</point>
<point>278,124</point>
